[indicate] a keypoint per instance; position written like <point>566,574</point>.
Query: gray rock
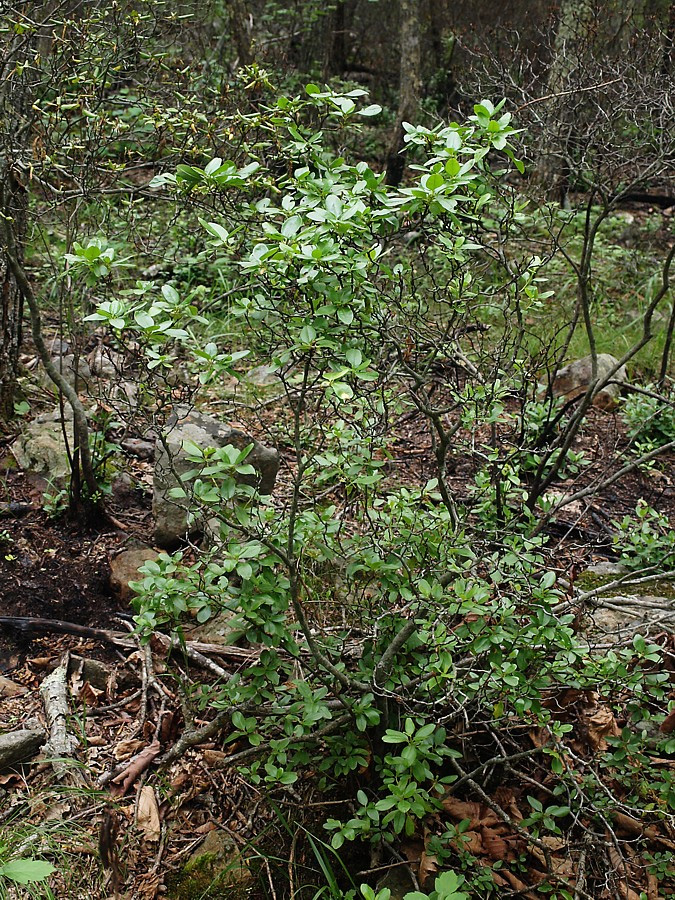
<point>96,673</point>
<point>105,362</point>
<point>262,376</point>
<point>223,630</point>
<point>68,366</point>
<point>215,869</point>
<point>398,881</point>
<point>205,431</point>
<point>574,379</point>
<point>606,568</point>
<point>19,746</point>
<point>41,447</point>
<point>139,448</point>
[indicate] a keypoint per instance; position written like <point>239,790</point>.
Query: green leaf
<point>433,182</point>
<point>213,166</point>
<point>170,293</point>
<point>354,357</point>
<point>143,319</point>
<point>26,871</point>
<point>373,110</point>
<point>216,230</point>
<point>291,226</point>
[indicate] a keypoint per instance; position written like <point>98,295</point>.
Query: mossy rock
<point>590,580</point>
<point>215,870</point>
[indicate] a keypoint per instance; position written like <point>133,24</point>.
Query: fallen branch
<point>61,743</point>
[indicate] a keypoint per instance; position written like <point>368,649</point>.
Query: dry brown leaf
<point>214,758</point>
<point>506,798</point>
<point>520,886</point>
<point>122,782</point>
<point>89,694</point>
<point>494,844</point>
<point>477,813</point>
<point>428,868</point>
<point>668,724</point>
<point>412,850</point>
<point>471,842</point>
<point>147,816</point>
<point>652,887</point>
<point>601,724</point>
<point>126,749</point>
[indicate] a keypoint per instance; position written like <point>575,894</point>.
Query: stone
<point>96,673</point>
<point>9,688</point>
<point>67,367</point>
<point>398,882</point>
<point>139,448</point>
<point>223,630</point>
<point>105,362</point>
<point>41,448</point>
<point>574,379</point>
<point>20,745</point>
<point>124,568</point>
<point>216,869</point>
<point>605,568</point>
<point>262,376</point>
<point>205,431</point>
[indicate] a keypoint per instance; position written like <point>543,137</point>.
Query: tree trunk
<point>410,86</point>
<point>336,50</point>
<point>13,204</point>
<point>589,33</point>
<point>240,24</point>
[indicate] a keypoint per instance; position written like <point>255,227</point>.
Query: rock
<point>205,431</point>
<point>606,568</point>
<point>262,376</point>
<point>223,630</point>
<point>9,688</point>
<point>96,673</point>
<point>398,881</point>
<point>216,869</point>
<point>42,449</point>
<point>574,379</point>
<point>124,568</point>
<point>67,367</point>
<point>19,746</point>
<point>105,362</point>
<point>139,448</point>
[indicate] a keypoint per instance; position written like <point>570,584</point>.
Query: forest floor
<point>143,825</point>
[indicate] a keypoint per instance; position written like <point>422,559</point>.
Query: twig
<point>592,87</point>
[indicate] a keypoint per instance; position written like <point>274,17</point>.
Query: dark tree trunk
<point>410,86</point>
<point>240,24</point>
<point>14,131</point>
<point>336,50</point>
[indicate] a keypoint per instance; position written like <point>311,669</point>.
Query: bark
<point>15,101</point>
<point>589,34</point>
<point>240,24</point>
<point>410,86</point>
<point>13,206</point>
<point>336,51</point>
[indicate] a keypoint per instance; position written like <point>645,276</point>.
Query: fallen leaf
<point>122,782</point>
<point>126,749</point>
<point>494,844</point>
<point>477,813</point>
<point>668,724</point>
<point>147,816</point>
<point>428,867</point>
<point>601,724</point>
